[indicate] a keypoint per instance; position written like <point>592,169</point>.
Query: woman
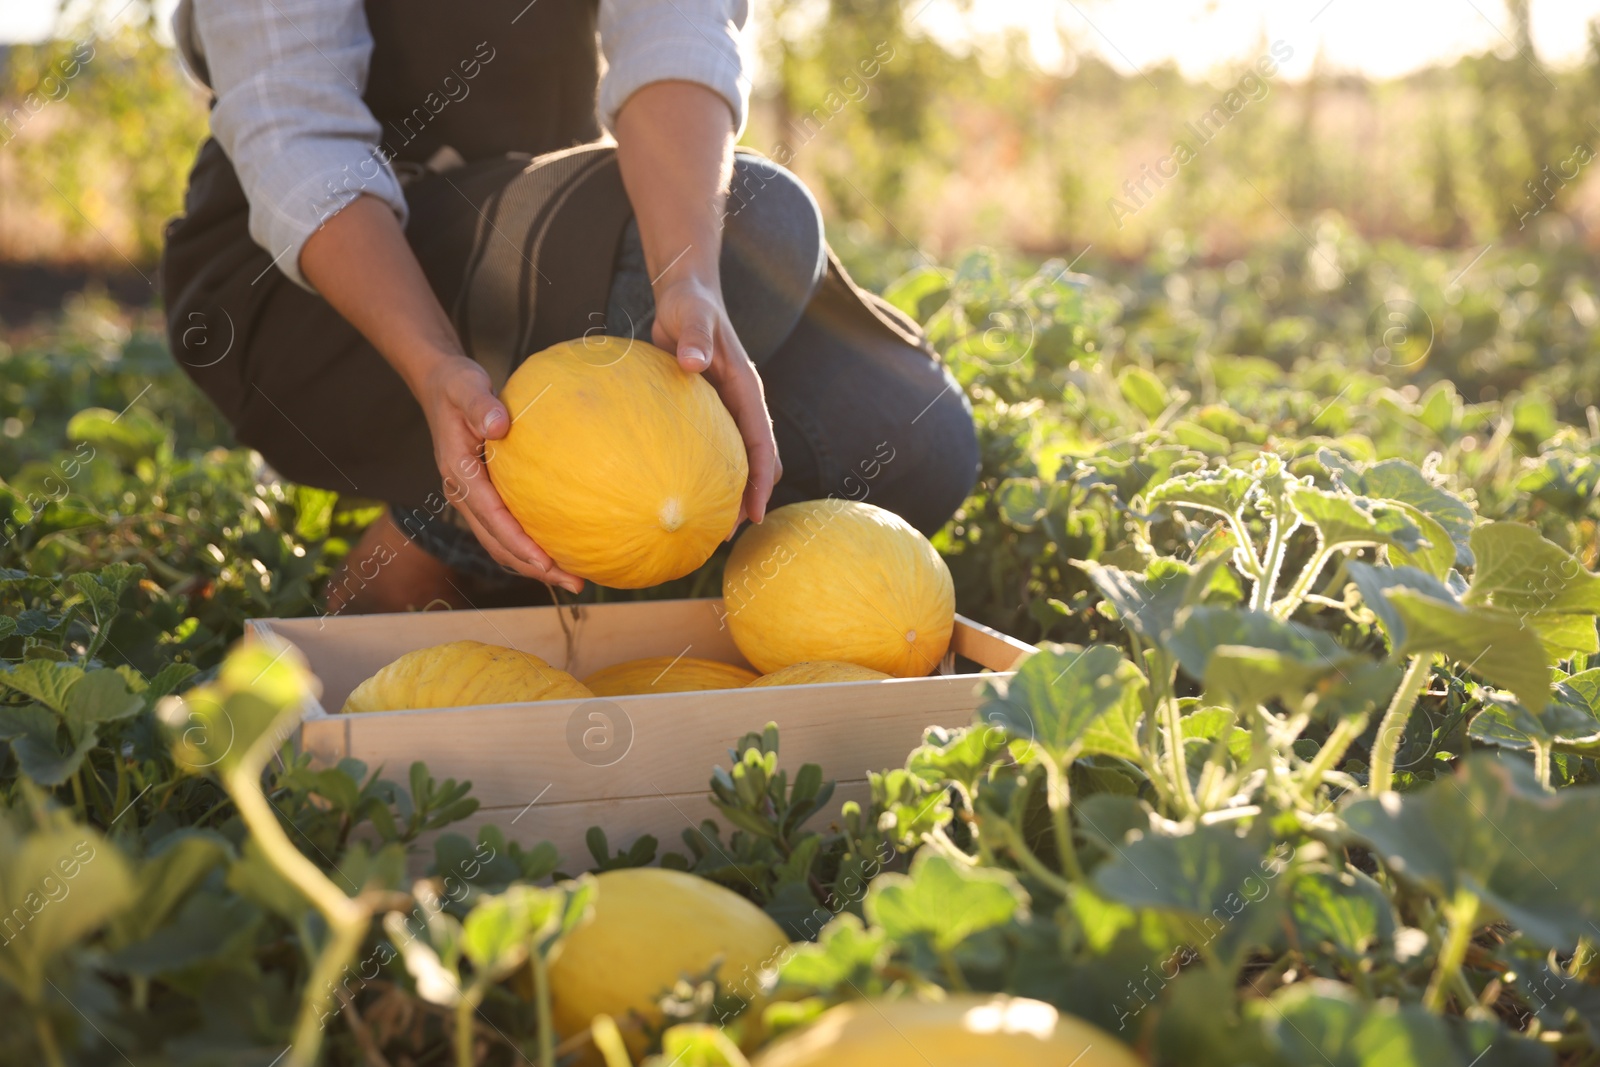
<point>400,200</point>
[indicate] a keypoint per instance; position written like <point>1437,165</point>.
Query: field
<point>1289,567</point>
<point>1290,467</point>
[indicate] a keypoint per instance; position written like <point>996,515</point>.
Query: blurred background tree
<point>920,147</point>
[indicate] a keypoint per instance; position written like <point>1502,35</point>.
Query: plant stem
<point>1178,758</point>
<point>1302,584</point>
<point>347,920</point>
<point>47,1039</point>
<point>1332,751</point>
<point>1461,915</point>
<point>1267,578</point>
<point>1057,796</point>
<point>77,795</point>
<point>464,1009</point>
<point>1393,727</point>
<point>952,972</point>
<point>546,1017</point>
<point>1541,763</point>
<point>1024,856</point>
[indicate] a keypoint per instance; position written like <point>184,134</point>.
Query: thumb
<point>695,343</point>
<point>482,410</point>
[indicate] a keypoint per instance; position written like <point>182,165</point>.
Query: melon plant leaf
<point>1437,557</point>
<point>1222,886</point>
<point>1208,723</point>
<point>169,872</point>
<point>33,730</point>
<point>1495,644</point>
<point>43,680</point>
<point>700,1045</point>
<point>208,926</point>
<point>1143,390</point>
<point>236,721</point>
<point>1351,521</point>
<point>1344,912</point>
<point>960,756</point>
<point>1567,722</point>
<point>1400,481</point>
<point>61,880</point>
<point>1023,502</point>
<point>942,902</point>
<point>1491,830</point>
<point>1375,583</point>
<point>1520,571</point>
<point>846,952</point>
<point>1224,491</point>
<point>1058,695</point>
<point>100,696</point>
<point>168,679</point>
<point>1324,1024</point>
<point>1563,635</point>
<point>1251,657</point>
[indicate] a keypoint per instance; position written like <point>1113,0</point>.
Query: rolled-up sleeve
<point>288,77</point>
<point>648,41</point>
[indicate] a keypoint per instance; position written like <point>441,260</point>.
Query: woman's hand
<point>692,323</point>
<point>675,150</point>
<point>360,262</point>
<point>462,414</point>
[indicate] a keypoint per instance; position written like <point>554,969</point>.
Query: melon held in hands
<point>839,580</point>
<point>627,469</point>
<point>460,674</point>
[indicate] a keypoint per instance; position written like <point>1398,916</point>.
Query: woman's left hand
<point>692,323</point>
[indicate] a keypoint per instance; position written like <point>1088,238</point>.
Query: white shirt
<point>288,76</point>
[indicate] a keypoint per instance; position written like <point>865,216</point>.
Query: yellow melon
<point>625,468</point>
<point>666,674</point>
<point>819,672</point>
<point>969,1030</point>
<point>463,673</point>
<point>650,927</point>
<point>839,580</point>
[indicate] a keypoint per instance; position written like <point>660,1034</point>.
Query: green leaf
<point>253,877</point>
<point>1223,491</point>
<point>57,884</point>
<point>1398,480</point>
<point>166,876</point>
<point>100,696</point>
<point>1568,722</point>
<point>700,1045</point>
<point>845,953</point>
<point>167,681</point>
<point>1023,502</point>
<point>1494,644</point>
<point>1208,723</point>
<point>207,927</point>
<point>241,718</point>
<point>34,730</point>
<point>1143,390</point>
<point>943,902</point>
<point>1344,912</point>
<point>1350,521</point>
<point>1057,700</point>
<point>44,681</point>
<point>1251,657</point>
<point>1493,831</point>
<point>133,434</point>
<point>1522,572</point>
<point>1437,557</point>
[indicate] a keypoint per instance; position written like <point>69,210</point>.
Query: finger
<point>493,524</point>
<point>484,413</point>
<point>696,334</point>
<point>742,391</point>
<point>543,570</point>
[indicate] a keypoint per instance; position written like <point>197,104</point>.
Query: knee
<point>773,227</point>
<point>938,460</point>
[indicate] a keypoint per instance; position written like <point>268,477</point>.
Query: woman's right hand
<point>463,413</point>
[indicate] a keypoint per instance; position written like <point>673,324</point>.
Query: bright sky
<point>1377,37</point>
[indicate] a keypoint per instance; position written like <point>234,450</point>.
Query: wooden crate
<point>631,765</point>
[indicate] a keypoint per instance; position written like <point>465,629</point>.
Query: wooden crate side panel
<point>666,816</point>
<point>657,744</point>
<point>990,647</point>
<point>345,651</point>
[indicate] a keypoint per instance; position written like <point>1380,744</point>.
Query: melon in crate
<point>839,580</point>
